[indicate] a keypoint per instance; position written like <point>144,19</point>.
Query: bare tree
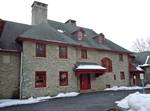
<point>141,45</point>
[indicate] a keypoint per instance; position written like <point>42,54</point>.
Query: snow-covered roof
<point>90,67</point>
<point>59,30</point>
<point>139,69</point>
<point>144,65</point>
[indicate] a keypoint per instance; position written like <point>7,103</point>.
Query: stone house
<point>49,57</point>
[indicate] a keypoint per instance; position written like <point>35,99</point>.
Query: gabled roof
<point>52,31</point>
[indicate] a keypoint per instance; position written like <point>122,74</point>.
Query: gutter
<point>20,76</point>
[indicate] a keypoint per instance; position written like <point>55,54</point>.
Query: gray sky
<point>122,21</point>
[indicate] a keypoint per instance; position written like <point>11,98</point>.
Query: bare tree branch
<point>141,45</point>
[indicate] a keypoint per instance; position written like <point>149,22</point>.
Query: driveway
<point>95,101</point>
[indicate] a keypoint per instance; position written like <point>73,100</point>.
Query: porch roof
<point>88,68</point>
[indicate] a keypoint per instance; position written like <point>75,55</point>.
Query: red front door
<point>85,82</point>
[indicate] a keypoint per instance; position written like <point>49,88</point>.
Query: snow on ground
<point>11,102</point>
<point>115,88</point>
<point>135,102</point>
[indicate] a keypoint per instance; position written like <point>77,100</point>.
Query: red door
<point>85,82</point>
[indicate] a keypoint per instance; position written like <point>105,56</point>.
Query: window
<point>114,77</point>
<point>122,76</point>
<point>107,63</point>
<point>120,57</point>
<point>63,52</point>
<point>63,78</point>
<point>40,50</point>
<point>80,35</point>
<point>83,53</point>
<point>107,85</point>
<point>40,79</point>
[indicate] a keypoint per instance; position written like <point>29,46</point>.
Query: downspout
<point>21,75</point>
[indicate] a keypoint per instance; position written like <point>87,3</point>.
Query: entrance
<point>85,82</point>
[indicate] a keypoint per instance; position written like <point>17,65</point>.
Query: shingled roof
<point>50,32</point>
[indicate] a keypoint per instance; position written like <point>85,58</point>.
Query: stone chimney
<point>72,22</point>
<point>39,13</point>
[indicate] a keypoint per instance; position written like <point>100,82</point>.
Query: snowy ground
<point>135,102</point>
<point>115,88</point>
<point>11,102</point>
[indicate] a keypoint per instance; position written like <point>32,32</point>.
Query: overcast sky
<point>121,21</point>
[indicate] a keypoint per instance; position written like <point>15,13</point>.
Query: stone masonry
<point>9,74</point>
<point>52,64</point>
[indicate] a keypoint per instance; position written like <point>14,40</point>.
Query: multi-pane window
<point>83,53</point>
<point>107,63</point>
<point>40,79</point>
<point>122,76</point>
<point>63,52</point>
<point>120,57</point>
<point>63,78</point>
<point>40,50</point>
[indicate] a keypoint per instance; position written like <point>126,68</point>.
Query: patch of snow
<point>139,69</point>
<point>115,88</point>
<point>135,102</point>
<point>90,67</point>
<point>71,94</point>
<point>59,30</point>
<point>144,65</point>
<point>11,102</point>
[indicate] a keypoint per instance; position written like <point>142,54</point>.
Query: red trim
<point>78,72</point>
<point>67,44</point>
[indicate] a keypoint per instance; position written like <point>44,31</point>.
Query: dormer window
<point>80,34</point>
<point>100,38</point>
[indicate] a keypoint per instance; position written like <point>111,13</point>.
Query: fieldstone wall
<point>100,82</point>
<point>52,64</point>
<point>9,75</point>
<point>147,75</point>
